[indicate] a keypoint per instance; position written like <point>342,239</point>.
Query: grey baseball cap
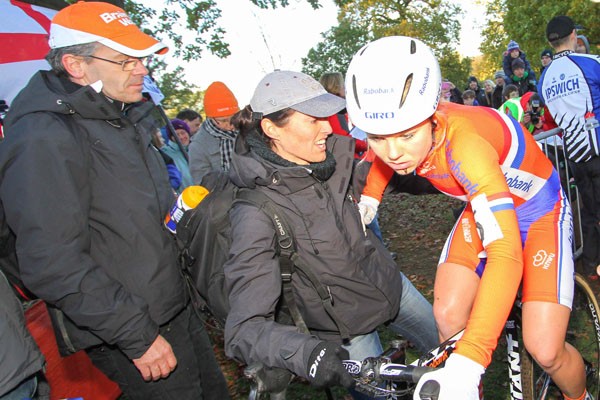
<point>279,90</point>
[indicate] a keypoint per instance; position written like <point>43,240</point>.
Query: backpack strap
<point>343,121</point>
<point>290,260</point>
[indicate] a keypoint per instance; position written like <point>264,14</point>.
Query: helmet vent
<point>413,47</point>
<point>354,91</point>
<point>407,85</point>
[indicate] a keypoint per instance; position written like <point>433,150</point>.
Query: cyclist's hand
<point>325,366</point>
<point>368,209</point>
<point>459,379</point>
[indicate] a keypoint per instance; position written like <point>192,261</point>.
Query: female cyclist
<point>517,223</point>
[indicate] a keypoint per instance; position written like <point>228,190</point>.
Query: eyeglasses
<point>126,65</point>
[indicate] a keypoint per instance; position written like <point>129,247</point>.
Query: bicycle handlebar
<point>372,369</point>
<point>373,372</point>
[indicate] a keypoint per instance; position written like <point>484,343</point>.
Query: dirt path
<point>417,227</point>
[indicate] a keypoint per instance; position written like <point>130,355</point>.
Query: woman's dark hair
<point>245,121</point>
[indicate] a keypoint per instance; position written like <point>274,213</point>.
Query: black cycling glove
<point>325,367</point>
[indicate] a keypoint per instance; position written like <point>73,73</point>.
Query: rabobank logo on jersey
<point>562,87</point>
<point>523,184</point>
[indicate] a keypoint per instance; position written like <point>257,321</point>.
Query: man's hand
<point>459,379</point>
<point>368,209</point>
<point>158,361</point>
<point>325,368</point>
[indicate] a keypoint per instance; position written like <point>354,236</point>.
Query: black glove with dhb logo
<point>325,366</point>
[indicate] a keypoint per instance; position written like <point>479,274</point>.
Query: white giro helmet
<point>392,84</point>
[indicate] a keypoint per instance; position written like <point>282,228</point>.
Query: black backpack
<point>204,238</point>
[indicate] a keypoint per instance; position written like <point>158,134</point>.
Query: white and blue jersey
<point>570,88</point>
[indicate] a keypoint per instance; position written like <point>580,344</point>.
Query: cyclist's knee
<point>546,355</point>
<point>448,320</point>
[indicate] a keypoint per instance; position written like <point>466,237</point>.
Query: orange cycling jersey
<point>517,221</point>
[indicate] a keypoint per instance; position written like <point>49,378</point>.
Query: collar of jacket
<point>89,104</point>
<point>249,170</point>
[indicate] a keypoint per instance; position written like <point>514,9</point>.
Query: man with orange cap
<point>85,192</point>
<point>212,146</point>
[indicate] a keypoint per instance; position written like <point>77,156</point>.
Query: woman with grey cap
<point>286,151</point>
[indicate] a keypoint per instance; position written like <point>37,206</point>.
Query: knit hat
<point>91,21</point>
<point>517,63</point>
<point>559,27</point>
<point>499,74</point>
<point>512,45</point>
<point>179,124</point>
<point>582,39</point>
<point>219,101</point>
<point>546,52</point>
<point>287,89</point>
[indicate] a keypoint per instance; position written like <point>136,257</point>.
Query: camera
<point>536,106</point>
<point>534,115</point>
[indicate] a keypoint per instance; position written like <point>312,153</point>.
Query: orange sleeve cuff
<point>378,178</point>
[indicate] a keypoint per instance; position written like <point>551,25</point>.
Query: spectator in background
<point>497,98</point>
<point>173,150</point>
<point>583,45</point>
<point>545,59</point>
<point>488,92</point>
<point>522,78</point>
<point>95,249</point>
<point>333,82</point>
<point>212,146</point>
<point>575,109</point>
<point>455,93</point>
<point>158,141</point>
<point>533,112</point>
<point>191,118</point>
<point>512,105</point>
<point>469,99</point>
<point>446,94</point>
<point>474,86</point>
<point>512,53</point>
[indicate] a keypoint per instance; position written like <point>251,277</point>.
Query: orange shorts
<point>548,256</point>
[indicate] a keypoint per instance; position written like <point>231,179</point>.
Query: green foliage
<point>199,19</point>
<point>179,93</point>
<point>284,3</point>
<point>336,50</point>
<point>436,22</point>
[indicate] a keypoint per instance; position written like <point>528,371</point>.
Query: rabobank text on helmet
<point>378,91</point>
<point>422,90</point>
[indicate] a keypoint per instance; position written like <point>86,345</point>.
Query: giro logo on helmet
<point>379,115</point>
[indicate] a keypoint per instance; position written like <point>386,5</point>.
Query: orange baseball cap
<point>94,21</point>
